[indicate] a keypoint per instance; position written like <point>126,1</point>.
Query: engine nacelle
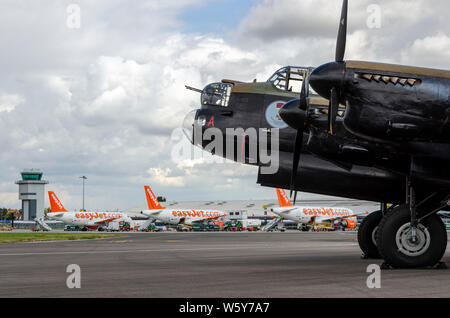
<point>349,224</point>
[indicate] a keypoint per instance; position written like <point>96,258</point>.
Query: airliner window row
<point>97,215</point>
<point>195,213</point>
<point>325,211</point>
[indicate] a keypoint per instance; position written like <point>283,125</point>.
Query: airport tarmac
<point>191,265</point>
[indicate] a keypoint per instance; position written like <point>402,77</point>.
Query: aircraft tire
<point>395,246</point>
<point>367,235</point>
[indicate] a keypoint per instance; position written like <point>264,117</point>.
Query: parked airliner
<point>177,216</point>
<point>314,216</point>
<point>89,220</point>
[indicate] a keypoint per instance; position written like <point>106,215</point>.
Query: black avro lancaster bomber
<point>352,129</point>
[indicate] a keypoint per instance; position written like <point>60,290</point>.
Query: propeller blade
<point>333,110</point>
<point>304,105</point>
<point>306,80</point>
<point>297,152</point>
<point>342,34</point>
<point>304,94</point>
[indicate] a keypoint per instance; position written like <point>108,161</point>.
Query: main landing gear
<point>367,235</point>
<point>406,236</point>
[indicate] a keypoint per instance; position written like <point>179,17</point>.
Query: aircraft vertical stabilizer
<point>152,201</point>
<point>283,199</point>
<point>55,204</point>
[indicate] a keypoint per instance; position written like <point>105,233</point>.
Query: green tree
<point>161,199</point>
<point>3,213</point>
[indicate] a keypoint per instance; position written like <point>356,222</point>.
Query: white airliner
<point>89,220</point>
<point>314,216</point>
<point>177,216</point>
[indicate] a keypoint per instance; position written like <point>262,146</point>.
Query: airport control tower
<point>31,192</point>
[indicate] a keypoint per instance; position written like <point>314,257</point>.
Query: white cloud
<point>162,177</point>
<point>9,199</point>
<point>103,100</point>
<point>9,102</point>
<point>431,50</point>
<point>304,31</point>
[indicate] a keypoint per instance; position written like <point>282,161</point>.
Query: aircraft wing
<point>345,217</point>
<point>106,221</point>
<point>280,213</point>
<point>208,219</point>
<point>57,214</point>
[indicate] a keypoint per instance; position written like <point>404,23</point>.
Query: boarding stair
<point>272,224</point>
<point>41,225</point>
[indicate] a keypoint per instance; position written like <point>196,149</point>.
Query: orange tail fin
<point>283,199</point>
<point>55,204</point>
<point>152,201</point>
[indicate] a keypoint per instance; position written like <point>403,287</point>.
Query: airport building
<point>32,194</point>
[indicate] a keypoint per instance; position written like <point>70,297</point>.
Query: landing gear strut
<point>406,239</point>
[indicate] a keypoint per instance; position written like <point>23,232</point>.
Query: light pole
<point>84,178</point>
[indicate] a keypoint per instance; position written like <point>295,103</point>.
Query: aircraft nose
<point>188,125</point>
<point>292,114</point>
<point>327,76</point>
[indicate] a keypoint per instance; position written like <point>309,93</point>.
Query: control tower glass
<point>31,176</point>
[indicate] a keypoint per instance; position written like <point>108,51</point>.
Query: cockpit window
<point>290,78</point>
<point>217,94</point>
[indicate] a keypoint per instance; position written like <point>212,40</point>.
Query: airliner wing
<point>208,219</point>
<point>345,217</point>
<point>106,221</point>
<point>57,214</point>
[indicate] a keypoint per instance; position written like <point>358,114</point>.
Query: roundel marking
<point>273,116</point>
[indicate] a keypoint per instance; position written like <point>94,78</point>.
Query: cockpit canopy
<point>216,94</point>
<point>290,78</point>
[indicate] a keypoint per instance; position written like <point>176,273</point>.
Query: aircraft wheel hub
<point>407,245</point>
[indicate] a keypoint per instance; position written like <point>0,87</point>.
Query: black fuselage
<point>341,165</point>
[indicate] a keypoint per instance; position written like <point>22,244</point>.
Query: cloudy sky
<point>102,95</point>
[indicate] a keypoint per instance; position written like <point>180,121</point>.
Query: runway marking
<point>238,247</point>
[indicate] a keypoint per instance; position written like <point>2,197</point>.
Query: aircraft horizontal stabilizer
<point>151,213</point>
